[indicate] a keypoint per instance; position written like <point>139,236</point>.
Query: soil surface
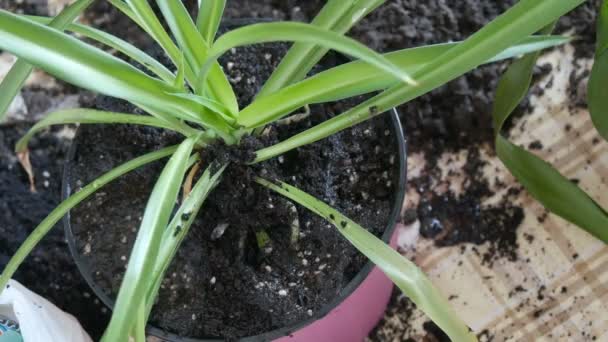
<point>223,283</point>
<point>21,211</point>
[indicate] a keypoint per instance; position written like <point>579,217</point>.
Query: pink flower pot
<point>355,317</point>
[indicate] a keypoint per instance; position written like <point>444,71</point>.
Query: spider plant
<point>198,102</point>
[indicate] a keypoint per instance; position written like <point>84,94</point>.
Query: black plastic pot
<point>85,270</point>
<point>401,147</point>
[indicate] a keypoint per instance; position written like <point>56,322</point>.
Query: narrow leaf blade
<point>173,236</point>
<point>209,17</point>
<point>195,48</point>
<point>191,43</point>
<point>132,293</point>
<point>16,77</point>
<point>119,45</point>
<point>520,21</point>
<point>297,55</point>
<point>338,16</point>
<point>553,190</point>
<point>87,116</point>
<point>299,32</point>
<point>597,92</point>
<point>357,78</point>
<point>88,67</point>
<point>405,274</point>
<point>542,181</point>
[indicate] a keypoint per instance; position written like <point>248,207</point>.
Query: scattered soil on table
<point>395,326</point>
<point>49,270</point>
<point>444,216</point>
<point>222,283</point>
<point>452,118</point>
<point>457,117</point>
<point>583,22</point>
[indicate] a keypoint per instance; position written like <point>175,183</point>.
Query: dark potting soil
<point>222,283</point>
<point>49,270</point>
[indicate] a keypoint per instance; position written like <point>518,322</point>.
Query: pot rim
<point>85,269</point>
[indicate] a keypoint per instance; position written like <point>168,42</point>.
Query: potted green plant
<point>198,103</point>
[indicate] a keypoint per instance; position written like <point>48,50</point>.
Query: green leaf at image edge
<point>210,14</point>
<point>597,91</point>
<point>540,179</point>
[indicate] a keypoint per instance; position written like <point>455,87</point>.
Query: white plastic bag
<point>39,319</point>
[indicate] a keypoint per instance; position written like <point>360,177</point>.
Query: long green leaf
<point>405,274</point>
<point>296,57</point>
<point>88,67</point>
<point>16,77</point>
<point>126,10</point>
<point>542,181</point>
<point>62,209</point>
<point>209,17</point>
<point>142,14</point>
<point>88,116</point>
<point>520,21</point>
<point>338,16</point>
<point>140,325</point>
<point>195,48</point>
<point>119,45</point>
<point>299,32</point>
<point>216,107</point>
<point>132,293</point>
<point>173,236</point>
<point>192,44</point>
<point>148,20</point>
<point>143,11</point>
<point>597,93</point>
<point>356,78</point>
<point>361,9</point>
<point>219,88</point>
<point>553,190</point>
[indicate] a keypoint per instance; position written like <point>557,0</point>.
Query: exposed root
<point>295,118</point>
<point>24,160</point>
<point>189,180</point>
